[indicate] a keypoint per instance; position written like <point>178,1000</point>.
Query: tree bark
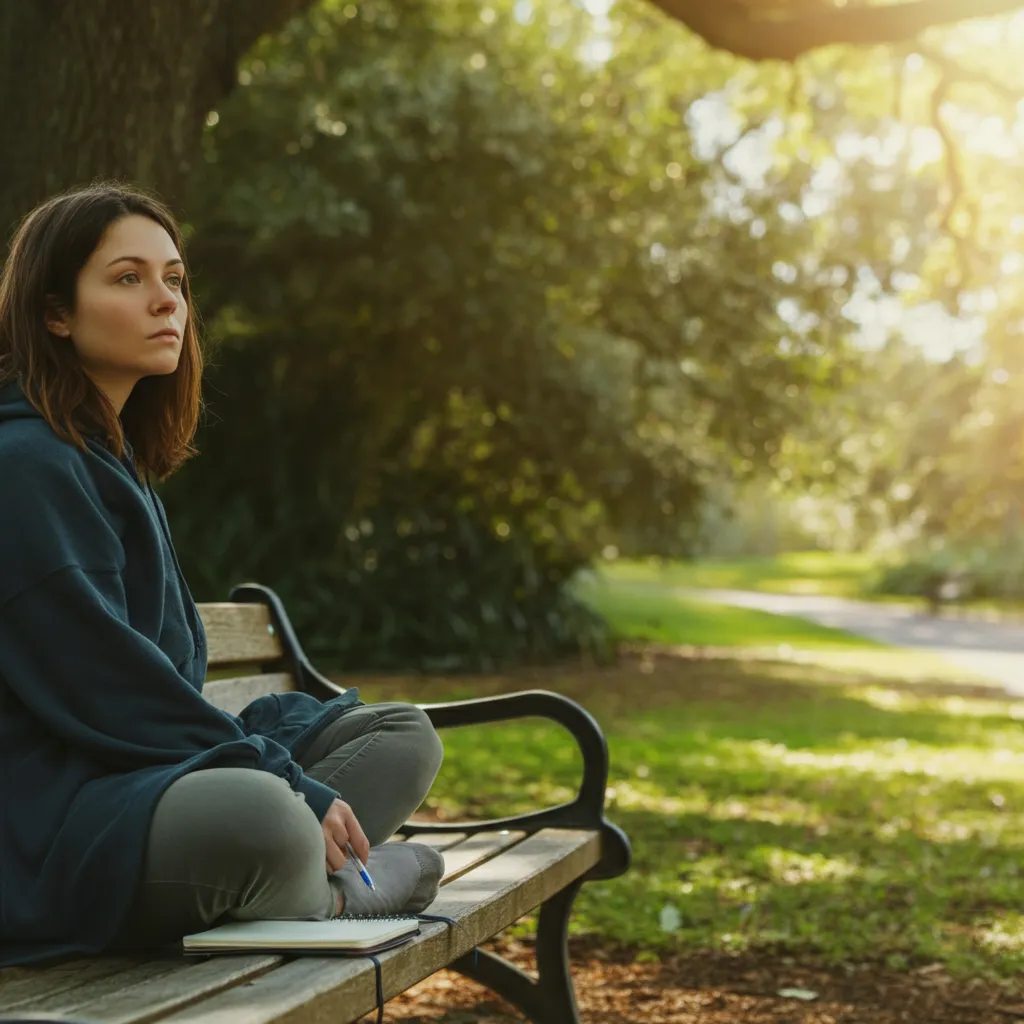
<point>767,30</point>
<point>103,88</point>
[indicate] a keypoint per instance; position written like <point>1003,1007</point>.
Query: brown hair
<point>49,249</point>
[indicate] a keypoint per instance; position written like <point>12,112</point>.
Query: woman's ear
<point>57,319</point>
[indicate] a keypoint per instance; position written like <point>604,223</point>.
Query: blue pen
<point>363,873</point>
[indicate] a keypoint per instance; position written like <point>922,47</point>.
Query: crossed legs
<point>240,844</point>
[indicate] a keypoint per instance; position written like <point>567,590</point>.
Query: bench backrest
<point>246,656</point>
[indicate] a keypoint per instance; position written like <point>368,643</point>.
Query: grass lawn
<point>802,572</point>
<point>774,805</point>
<point>639,611</point>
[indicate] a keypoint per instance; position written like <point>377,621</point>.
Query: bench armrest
<point>586,811</point>
<point>589,803</point>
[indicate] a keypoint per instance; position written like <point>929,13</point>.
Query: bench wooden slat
<point>461,852</point>
<point>239,633</point>
<point>21,985</point>
<point>231,695</point>
<point>439,841</point>
<point>475,850</point>
<point>139,999</point>
<point>71,1000</point>
<point>339,990</point>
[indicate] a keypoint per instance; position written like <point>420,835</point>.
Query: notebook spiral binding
<point>375,917</point>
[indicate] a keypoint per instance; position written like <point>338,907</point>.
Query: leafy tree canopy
<point>468,284</point>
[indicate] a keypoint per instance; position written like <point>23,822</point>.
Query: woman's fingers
<point>336,855</point>
<point>340,827</point>
<point>357,837</point>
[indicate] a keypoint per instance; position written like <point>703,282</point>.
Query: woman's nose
<point>166,301</point>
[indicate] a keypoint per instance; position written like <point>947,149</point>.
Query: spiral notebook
<point>340,935</point>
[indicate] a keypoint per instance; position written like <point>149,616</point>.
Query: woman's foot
<point>406,876</point>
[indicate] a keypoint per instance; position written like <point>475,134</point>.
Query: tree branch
<point>958,73</point>
<point>233,30</point>
<point>250,19</point>
<point>953,175</point>
<point>776,34</point>
<point>955,180</point>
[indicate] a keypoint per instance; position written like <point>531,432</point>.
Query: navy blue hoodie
<point>102,662</point>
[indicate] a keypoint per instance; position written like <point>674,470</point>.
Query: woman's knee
<point>285,859</point>
<point>288,836</point>
<point>422,749</point>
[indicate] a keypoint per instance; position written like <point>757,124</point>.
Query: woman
<point>132,811</point>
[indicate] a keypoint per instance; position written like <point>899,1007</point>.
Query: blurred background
<point>493,290</point>
<point>539,330</point>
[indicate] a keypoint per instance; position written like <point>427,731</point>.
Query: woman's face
<point>130,310</point>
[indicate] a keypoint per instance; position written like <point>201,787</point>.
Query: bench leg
<point>551,999</point>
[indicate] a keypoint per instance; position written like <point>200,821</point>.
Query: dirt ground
<point>717,988</point>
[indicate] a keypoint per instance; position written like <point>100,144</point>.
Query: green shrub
<point>980,572</point>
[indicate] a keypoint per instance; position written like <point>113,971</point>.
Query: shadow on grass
<point>846,894</point>
<point>774,805</point>
<point>800,706</point>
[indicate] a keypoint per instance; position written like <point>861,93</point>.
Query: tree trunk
<point>98,88</point>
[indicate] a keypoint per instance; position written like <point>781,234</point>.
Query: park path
<point>994,650</point>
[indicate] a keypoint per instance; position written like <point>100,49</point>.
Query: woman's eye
<point>175,280</point>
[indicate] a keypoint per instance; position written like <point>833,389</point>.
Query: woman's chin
<point>162,367</point>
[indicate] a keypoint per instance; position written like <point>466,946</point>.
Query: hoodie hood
<point>14,405</point>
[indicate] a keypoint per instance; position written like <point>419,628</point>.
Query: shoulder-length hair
<point>49,249</point>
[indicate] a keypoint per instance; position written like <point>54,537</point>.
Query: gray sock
<point>406,876</point>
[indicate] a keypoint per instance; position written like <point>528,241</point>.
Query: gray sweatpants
<point>236,843</point>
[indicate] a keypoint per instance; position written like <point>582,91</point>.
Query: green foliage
<point>458,274</point>
<point>974,574</point>
<point>921,576</point>
<point>780,806</point>
<point>750,519</point>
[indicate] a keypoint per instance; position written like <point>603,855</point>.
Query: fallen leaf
<point>670,919</point>
<point>797,993</point>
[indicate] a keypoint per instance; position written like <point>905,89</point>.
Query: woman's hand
<point>340,826</point>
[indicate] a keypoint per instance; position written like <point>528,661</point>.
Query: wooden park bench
<point>497,871</point>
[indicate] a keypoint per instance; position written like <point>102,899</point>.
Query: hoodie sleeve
<point>69,653</point>
<point>71,657</point>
